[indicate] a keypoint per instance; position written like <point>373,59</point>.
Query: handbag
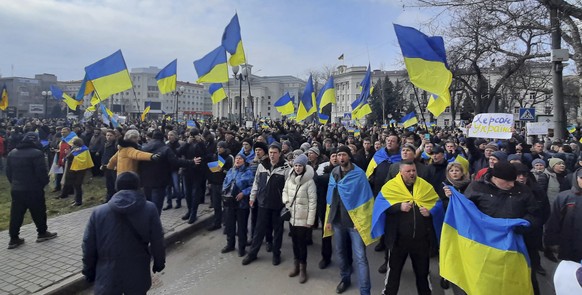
<point>228,200</point>
<point>285,212</point>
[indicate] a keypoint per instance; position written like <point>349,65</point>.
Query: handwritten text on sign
<point>495,125</point>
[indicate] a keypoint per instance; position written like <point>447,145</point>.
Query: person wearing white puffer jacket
<point>300,196</point>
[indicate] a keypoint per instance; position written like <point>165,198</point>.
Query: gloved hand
<point>158,268</point>
<point>155,157</point>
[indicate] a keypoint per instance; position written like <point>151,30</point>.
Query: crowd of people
<point>313,176</point>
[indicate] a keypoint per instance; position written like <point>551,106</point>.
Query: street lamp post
<point>46,95</point>
<point>177,93</point>
<point>240,76</point>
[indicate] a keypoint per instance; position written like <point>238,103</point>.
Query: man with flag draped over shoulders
<point>407,212</point>
<point>348,215</point>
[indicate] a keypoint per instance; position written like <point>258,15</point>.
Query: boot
<point>302,273</point>
<point>178,204</point>
<point>295,270</point>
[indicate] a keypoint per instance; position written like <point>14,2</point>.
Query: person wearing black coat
<point>157,175</point>
<point>109,149</point>
<point>194,176</point>
<point>120,240</point>
<point>175,188</point>
<point>27,173</point>
<point>216,179</point>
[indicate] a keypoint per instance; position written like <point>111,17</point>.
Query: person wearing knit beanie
<point>554,161</point>
<point>505,171</point>
<point>492,147</point>
<point>539,165</point>
<point>345,149</point>
<point>514,157</point>
<point>127,181</point>
<point>300,160</point>
<point>261,145</point>
<point>501,156</point>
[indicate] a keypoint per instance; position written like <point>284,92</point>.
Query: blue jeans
<point>341,236</point>
<point>155,195</point>
<point>174,189</point>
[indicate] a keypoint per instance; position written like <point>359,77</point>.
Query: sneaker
<point>45,236</point>
<point>14,243</point>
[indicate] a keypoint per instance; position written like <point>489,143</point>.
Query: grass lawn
<point>94,192</point>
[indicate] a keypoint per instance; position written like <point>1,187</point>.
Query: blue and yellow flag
<point>109,75</point>
<point>395,191</point>
<point>464,162</point>
<point>482,254</point>
<point>436,105</point>
<point>212,67</point>
<point>426,62</point>
<point>326,94</point>
<point>572,129</point>
<point>284,105</point>
<point>69,138</point>
<point>323,118</point>
<point>307,104</point>
<point>81,159</point>
<point>357,132</point>
<point>86,89</point>
<point>356,195</point>
<point>380,156</point>
<point>4,98</point>
<point>58,94</point>
<point>217,92</point>
<point>409,120</point>
<point>167,77</point>
<point>361,107</point>
<point>232,42</point>
<point>108,116</point>
<point>216,166</point>
<point>146,111</point>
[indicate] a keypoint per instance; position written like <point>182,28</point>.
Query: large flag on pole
<point>212,67</point>
<point>284,105</point>
<point>166,78</point>
<point>360,106</point>
<point>232,42</point>
<point>217,92</point>
<point>4,98</point>
<point>326,94</point>
<point>86,88</point>
<point>146,111</point>
<point>307,104</point>
<point>109,75</point>
<point>426,61</point>
<point>409,120</point>
<point>481,254</point>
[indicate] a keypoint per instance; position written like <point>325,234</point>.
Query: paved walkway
<point>36,267</point>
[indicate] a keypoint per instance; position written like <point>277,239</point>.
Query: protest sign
<point>537,128</point>
<point>493,125</point>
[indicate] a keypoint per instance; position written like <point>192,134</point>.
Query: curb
<point>77,283</point>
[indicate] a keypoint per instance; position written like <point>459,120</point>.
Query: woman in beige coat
<point>300,196</point>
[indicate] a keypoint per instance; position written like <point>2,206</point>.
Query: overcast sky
<point>280,37</point>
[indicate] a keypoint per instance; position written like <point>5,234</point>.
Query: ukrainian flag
<point>216,166</point>
<point>326,94</point>
<point>426,62</point>
<point>109,75</point>
<point>81,159</point>
<point>464,162</point>
<point>357,132</point>
<point>86,89</point>
<point>145,111</point>
<point>60,95</point>
<point>4,99</point>
<point>360,106</point>
<point>482,254</point>
<point>395,191</point>
<point>212,67</point>
<point>572,129</point>
<point>436,105</point>
<point>284,105</point>
<point>232,42</point>
<point>380,156</point>
<point>166,78</point>
<point>356,195</point>
<point>323,118</point>
<point>384,126</point>
<point>217,92</point>
<point>409,120</point>
<point>307,104</point>
<point>108,114</point>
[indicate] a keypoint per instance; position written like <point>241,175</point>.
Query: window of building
<point>268,108</point>
<point>446,122</point>
<point>447,109</point>
<point>516,110</point>
<point>269,114</point>
<point>269,103</point>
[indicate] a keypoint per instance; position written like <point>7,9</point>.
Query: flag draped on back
<point>217,92</point>
<point>232,42</point>
<point>380,156</point>
<point>109,75</point>
<point>4,98</point>
<point>360,106</point>
<point>409,120</point>
<point>212,67</point>
<point>356,195</point>
<point>146,111</point>
<point>81,159</point>
<point>395,191</point>
<point>284,105</point>
<point>482,254</point>
<point>307,103</point>
<point>60,95</point>
<point>166,78</point>
<point>426,62</point>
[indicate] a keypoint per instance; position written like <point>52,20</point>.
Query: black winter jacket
<point>267,191</point>
<point>26,168</point>
<point>158,174</point>
<point>194,150</point>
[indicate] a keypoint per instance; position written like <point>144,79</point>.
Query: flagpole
<point>135,99</point>
<point>419,106</point>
